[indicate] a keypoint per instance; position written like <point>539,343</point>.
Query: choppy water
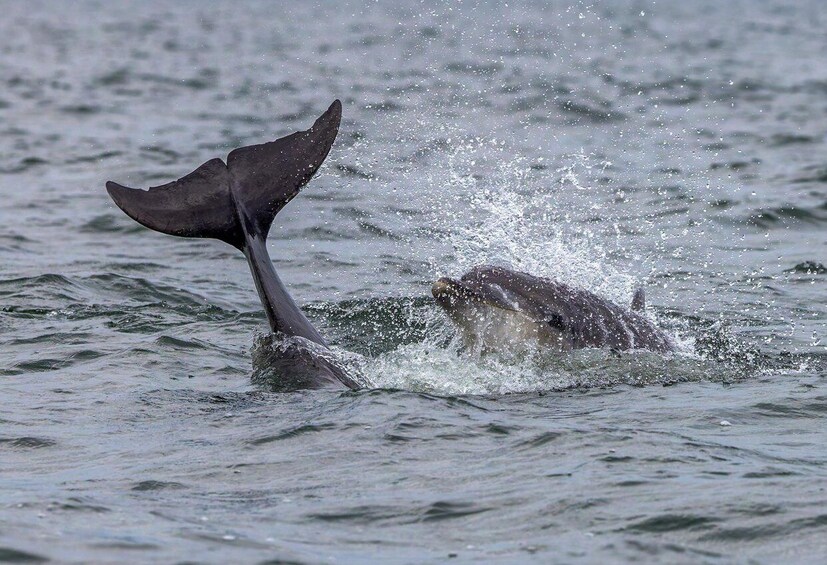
<point>678,145</point>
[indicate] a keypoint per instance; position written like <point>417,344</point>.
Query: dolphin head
<point>494,314</point>
<point>452,294</point>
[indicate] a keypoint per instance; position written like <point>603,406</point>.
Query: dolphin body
<point>496,308</point>
<point>236,203</point>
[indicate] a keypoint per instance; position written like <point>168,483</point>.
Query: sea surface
<point>676,145</point>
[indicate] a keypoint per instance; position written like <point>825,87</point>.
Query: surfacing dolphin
<point>236,202</point>
<point>496,308</point>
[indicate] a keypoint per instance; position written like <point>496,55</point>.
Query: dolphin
<point>236,202</point>
<point>496,308</point>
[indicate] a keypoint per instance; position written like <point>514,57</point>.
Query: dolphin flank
<point>496,308</point>
<point>236,202</point>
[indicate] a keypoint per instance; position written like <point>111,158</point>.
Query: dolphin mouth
<point>448,292</point>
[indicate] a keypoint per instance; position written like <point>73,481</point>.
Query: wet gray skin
<point>496,309</point>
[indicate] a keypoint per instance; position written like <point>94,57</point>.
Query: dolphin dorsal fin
<point>639,301</point>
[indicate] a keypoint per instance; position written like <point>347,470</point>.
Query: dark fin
<point>197,205</point>
<point>267,176</point>
<point>236,203</point>
<point>639,301</point>
<point>255,184</point>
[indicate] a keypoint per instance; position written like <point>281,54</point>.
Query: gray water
<point>680,146</point>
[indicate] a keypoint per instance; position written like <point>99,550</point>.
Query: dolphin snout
<point>444,288</point>
<point>448,292</point>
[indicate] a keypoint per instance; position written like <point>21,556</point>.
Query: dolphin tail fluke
<point>239,199</point>
<point>236,202</point>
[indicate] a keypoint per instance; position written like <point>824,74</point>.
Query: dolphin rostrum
<point>236,202</point>
<point>496,308</point>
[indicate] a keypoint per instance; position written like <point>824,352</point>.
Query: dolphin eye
<point>556,321</point>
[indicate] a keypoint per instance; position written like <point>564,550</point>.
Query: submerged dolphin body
<point>236,202</point>
<point>497,308</point>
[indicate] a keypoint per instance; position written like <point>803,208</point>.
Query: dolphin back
<point>242,197</point>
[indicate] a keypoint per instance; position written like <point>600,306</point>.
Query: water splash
<point>505,210</point>
<point>496,209</point>
<point>450,371</point>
